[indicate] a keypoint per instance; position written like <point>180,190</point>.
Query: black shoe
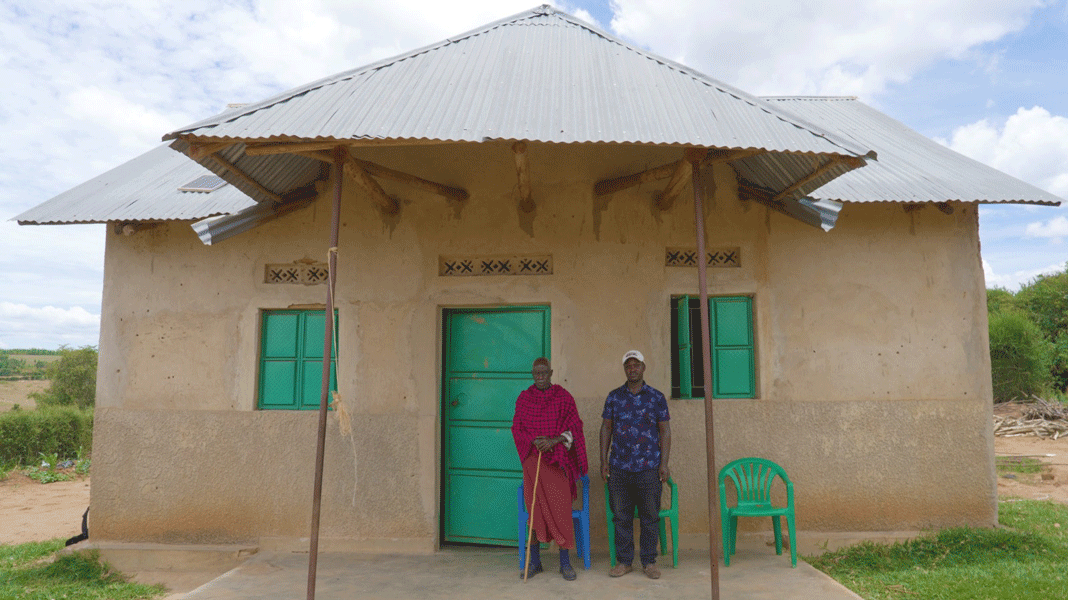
<point>534,570</point>
<point>568,572</point>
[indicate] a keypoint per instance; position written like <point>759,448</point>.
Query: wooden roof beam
<point>199,151</point>
<point>229,166</point>
<point>287,148</point>
<point>451,193</point>
<point>711,157</point>
<point>368,184</point>
<point>851,161</point>
<point>522,170</point>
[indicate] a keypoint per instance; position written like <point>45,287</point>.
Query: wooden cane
<point>533,504</point>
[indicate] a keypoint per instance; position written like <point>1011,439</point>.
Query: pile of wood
<point>1040,417</point>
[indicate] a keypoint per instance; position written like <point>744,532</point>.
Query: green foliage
<point>1026,562</point>
<point>1045,298</point>
<point>999,299</point>
<point>47,473</point>
<point>1020,356</point>
<point>73,379</point>
<point>26,434</point>
<point>26,574</point>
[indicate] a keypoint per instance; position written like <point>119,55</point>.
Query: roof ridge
<point>541,11</point>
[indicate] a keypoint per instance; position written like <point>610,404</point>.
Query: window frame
<point>300,358</point>
<point>729,343</point>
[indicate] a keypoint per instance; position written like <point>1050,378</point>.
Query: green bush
<point>1046,299</point>
<point>999,299</point>
<point>26,434</point>
<point>73,379</point>
<point>1020,356</point>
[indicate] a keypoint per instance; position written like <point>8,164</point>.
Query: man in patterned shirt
<point>635,446</point>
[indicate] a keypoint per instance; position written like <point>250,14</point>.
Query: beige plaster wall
<point>873,374</point>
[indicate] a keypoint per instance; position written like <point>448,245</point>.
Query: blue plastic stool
<point>580,517</point>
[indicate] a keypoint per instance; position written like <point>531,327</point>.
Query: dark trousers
<point>627,490</point>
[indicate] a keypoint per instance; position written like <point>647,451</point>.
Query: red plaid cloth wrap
<point>549,413</point>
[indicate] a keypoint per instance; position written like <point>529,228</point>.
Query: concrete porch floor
<point>493,574</point>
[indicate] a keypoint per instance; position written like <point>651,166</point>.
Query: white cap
<point>633,354</point>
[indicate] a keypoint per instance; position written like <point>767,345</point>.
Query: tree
<point>73,379</point>
<point>1020,356</point>
<point>1046,299</point>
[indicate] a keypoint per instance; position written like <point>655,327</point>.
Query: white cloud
<point>820,46</point>
<point>1031,145</point>
<point>1013,281</point>
<point>1054,228</point>
<point>71,326</point>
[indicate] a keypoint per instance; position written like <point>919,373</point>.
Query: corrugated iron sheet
<point>142,189</point>
<point>911,167</point>
<point>540,76</point>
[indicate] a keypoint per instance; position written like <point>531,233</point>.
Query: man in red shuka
<point>547,425</point>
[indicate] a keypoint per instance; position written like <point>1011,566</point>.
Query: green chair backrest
<point>752,479</point>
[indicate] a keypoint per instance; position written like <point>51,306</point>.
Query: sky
<point>90,84</point>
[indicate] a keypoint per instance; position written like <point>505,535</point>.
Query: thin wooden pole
<point>694,157</point>
<point>533,504</point>
<point>328,343</point>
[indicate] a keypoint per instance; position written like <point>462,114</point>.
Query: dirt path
<point>1051,484</point>
<point>31,512</point>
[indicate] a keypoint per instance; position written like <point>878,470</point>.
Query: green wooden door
<point>488,355</point>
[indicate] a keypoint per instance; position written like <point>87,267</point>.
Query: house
<point>524,190</point>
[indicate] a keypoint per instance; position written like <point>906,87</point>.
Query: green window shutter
<point>733,365</point>
<point>291,359</point>
<point>684,350</point>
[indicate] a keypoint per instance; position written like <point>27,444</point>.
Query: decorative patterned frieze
<point>300,272</point>
<point>452,266</point>
<point>717,257</point>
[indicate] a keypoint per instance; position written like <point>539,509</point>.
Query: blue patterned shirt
<point>635,427</point>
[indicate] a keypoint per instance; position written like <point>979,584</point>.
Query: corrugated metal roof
<point>911,167</point>
<point>541,76</point>
<point>142,189</point>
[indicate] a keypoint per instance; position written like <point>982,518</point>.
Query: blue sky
<point>90,84</point>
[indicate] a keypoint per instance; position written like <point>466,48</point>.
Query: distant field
<point>33,358</point>
<point>17,392</point>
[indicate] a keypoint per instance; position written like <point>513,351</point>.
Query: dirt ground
<point>17,392</point>
<point>32,512</point>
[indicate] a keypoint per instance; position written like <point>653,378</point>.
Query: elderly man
<point>635,446</point>
<point>547,428</point>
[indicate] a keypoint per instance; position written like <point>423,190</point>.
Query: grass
<point>28,572</point>
<point>1017,464</point>
<point>1023,560</point>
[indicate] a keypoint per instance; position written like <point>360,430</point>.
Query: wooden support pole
<point>714,534</point>
<point>324,390</point>
<point>369,185</point>
<point>522,170</point>
<point>229,166</point>
<point>664,200</point>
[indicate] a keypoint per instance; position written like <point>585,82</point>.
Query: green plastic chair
<point>752,479</point>
<point>672,513</point>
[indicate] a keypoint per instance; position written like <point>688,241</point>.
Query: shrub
<point>1046,299</point>
<point>73,379</point>
<point>26,434</point>
<point>1020,356</point>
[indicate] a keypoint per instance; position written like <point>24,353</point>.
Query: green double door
<point>488,355</point>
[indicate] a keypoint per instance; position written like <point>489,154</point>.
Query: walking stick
<point>533,504</point>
